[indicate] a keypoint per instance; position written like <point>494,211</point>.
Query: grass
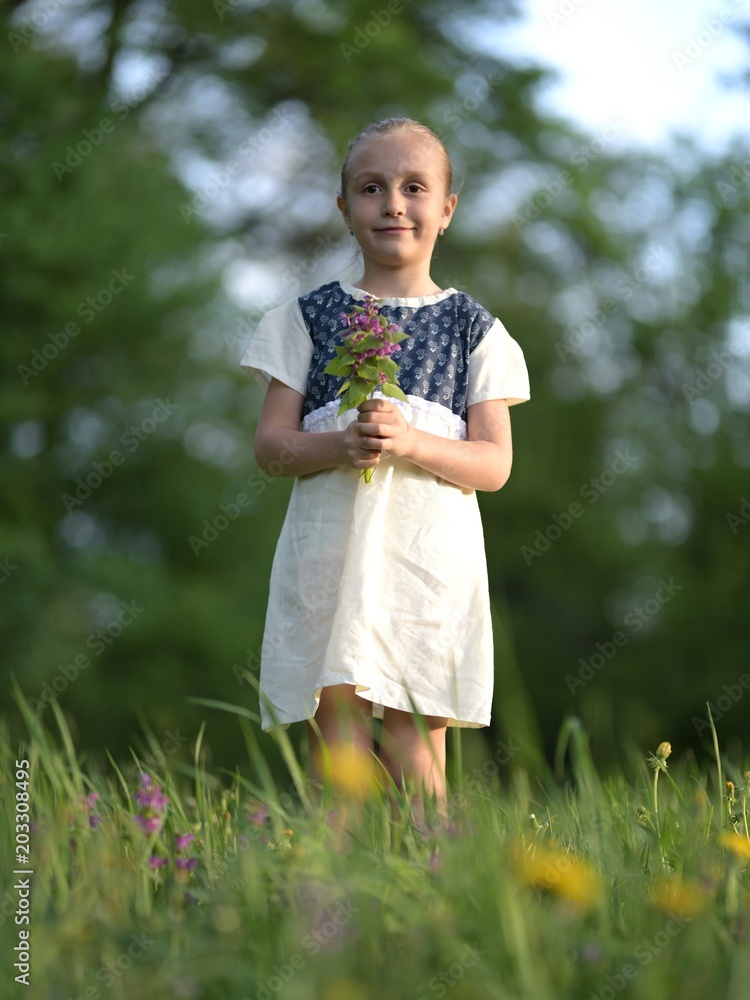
<point>557,885</point>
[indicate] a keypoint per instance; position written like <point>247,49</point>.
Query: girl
<point>378,602</point>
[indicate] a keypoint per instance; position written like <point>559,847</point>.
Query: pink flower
<point>149,824</point>
<point>156,862</point>
<point>187,864</point>
<point>258,818</point>
<point>153,803</point>
<point>89,802</point>
<point>370,368</point>
<point>182,841</point>
<point>152,798</point>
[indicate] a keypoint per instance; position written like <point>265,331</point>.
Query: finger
<point>373,441</point>
<point>371,430</point>
<point>374,404</point>
<point>373,444</point>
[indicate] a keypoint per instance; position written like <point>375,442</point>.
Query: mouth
<point>395,229</point>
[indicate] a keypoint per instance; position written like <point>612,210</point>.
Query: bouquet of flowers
<point>364,359</point>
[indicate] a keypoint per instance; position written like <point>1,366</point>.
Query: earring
<point>441,232</point>
<point>351,232</point>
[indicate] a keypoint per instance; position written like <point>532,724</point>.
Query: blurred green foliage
<point>167,172</point>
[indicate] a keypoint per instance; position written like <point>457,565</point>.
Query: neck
<point>396,284</point>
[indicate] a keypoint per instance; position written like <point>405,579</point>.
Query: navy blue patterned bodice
<point>434,361</point>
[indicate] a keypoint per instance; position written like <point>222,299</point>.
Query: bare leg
<point>344,719</point>
<point>403,748</point>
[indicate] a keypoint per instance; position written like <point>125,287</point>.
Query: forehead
<point>397,154</point>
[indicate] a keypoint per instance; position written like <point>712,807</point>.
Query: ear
<point>448,209</point>
<point>343,209</point>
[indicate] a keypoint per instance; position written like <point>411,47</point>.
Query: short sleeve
<point>497,369</point>
<point>280,348</point>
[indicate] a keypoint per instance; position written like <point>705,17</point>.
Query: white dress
<point>384,585</point>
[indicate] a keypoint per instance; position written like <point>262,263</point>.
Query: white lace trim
<point>415,301</point>
<point>421,413</point>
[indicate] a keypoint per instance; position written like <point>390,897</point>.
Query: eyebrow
<point>377,175</point>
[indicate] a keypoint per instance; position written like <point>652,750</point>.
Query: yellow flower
<point>351,770</point>
<point>738,845</point>
<point>675,895</point>
<point>345,989</point>
<point>563,873</point>
<point>663,751</point>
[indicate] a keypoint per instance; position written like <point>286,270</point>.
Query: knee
<point>342,696</point>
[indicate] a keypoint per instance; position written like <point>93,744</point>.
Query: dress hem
<point>379,703</point>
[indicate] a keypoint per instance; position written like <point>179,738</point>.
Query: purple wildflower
<point>153,803</point>
<point>150,796</point>
<point>258,818</point>
<point>149,824</point>
<point>188,864</point>
<point>157,862</point>
<point>184,840</point>
<point>94,819</point>
<point>367,369</point>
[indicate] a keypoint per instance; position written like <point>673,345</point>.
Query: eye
<point>371,188</point>
<point>414,188</point>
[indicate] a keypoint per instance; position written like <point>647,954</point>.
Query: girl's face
<point>396,199</point>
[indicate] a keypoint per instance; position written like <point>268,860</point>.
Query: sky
<point>656,64</point>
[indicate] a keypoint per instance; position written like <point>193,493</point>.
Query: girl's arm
<point>481,462</point>
<point>282,449</point>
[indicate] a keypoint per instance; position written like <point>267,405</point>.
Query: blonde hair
<point>385,126</point>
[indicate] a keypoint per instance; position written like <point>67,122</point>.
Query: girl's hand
<point>382,428</point>
<point>357,453</point>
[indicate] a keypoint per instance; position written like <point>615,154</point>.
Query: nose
<point>393,203</point>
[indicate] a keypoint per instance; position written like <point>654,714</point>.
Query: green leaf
<point>344,387</point>
<point>336,366</point>
<point>390,389</point>
<point>352,400</point>
<point>389,366</point>
<point>366,345</point>
<point>361,384</point>
<point>361,397</point>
